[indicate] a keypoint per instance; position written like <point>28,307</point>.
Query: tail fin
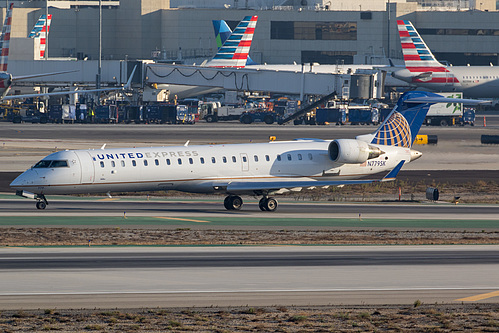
<point>39,32</point>
<point>416,52</point>
<point>222,32</point>
<point>234,52</point>
<point>5,39</point>
<point>402,126</point>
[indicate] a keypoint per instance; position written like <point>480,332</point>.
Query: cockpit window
<point>51,164</point>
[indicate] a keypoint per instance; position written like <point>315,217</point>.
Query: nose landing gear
<point>41,202</point>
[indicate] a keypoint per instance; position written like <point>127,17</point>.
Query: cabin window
<point>156,162</point>
<point>224,159</point>
<point>179,161</point>
<point>234,159</point>
<point>279,157</point>
<point>201,159</point>
<point>113,164</point>
<point>300,157</point>
<point>213,160</point>
<point>256,158</point>
<point>245,159</point>
<point>123,163</point>
<point>190,160</point>
<point>289,157</point>
<point>134,163</point>
<point>267,158</point>
<point>101,164</point>
<point>168,162</point>
<point>310,157</point>
<point>146,163</point>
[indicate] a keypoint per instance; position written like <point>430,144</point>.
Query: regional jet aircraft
<point>260,169</point>
<point>423,70</point>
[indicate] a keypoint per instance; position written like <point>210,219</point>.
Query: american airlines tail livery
<point>423,70</point>
<point>260,169</point>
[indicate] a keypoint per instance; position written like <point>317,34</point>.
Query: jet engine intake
<point>350,151</point>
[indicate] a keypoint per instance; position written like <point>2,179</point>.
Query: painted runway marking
<point>179,219</point>
<point>109,199</point>
<point>479,297</point>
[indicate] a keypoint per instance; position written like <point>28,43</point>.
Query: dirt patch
<point>29,236</point>
<point>413,318</point>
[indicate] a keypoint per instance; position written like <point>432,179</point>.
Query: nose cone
<point>415,155</point>
<point>23,180</point>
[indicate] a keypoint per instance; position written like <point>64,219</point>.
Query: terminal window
<point>302,30</point>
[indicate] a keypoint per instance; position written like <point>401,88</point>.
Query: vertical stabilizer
<point>39,33</point>
<point>234,52</point>
<point>222,33</point>
<point>403,124</point>
<point>5,39</point>
<point>420,63</point>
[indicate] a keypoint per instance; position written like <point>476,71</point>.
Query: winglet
<point>129,82</point>
<point>393,174</point>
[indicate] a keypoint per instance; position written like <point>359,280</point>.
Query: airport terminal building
<point>328,32</point>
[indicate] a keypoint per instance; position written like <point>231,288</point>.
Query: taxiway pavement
<point>224,276</point>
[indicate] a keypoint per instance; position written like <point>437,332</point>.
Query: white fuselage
<point>201,168</point>
<point>472,81</point>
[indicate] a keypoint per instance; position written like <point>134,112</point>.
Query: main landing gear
<point>234,202</point>
<point>267,204</point>
<point>41,202</point>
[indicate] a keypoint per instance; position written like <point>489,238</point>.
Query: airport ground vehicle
<point>449,114</point>
<point>213,112</point>
<point>259,115</point>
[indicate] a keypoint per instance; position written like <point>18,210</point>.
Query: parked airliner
<point>424,71</point>
<point>7,79</point>
<point>260,169</point>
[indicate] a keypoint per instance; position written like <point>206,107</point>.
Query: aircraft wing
<point>70,92</point>
<point>60,93</point>
<point>289,184</point>
<point>32,76</point>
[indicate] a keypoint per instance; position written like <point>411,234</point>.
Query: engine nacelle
<point>351,151</point>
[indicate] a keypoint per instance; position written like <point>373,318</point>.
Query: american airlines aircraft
<point>6,79</point>
<point>424,71</point>
<point>260,169</point>
<point>233,52</point>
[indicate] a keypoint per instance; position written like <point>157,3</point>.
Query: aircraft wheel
<point>268,204</point>
<point>233,202</point>
<point>262,205</point>
<point>41,205</point>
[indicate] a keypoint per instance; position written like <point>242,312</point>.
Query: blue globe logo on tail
<point>394,132</point>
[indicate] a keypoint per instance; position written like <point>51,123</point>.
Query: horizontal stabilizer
<point>393,174</point>
<point>442,99</point>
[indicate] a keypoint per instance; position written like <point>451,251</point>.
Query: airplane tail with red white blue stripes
<point>234,52</point>
<point>39,33</point>
<point>5,39</point>
<point>421,65</point>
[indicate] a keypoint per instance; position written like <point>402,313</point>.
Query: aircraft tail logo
<point>418,58</point>
<point>402,126</point>
<point>5,39</point>
<point>234,52</point>
<point>222,33</point>
<point>39,33</point>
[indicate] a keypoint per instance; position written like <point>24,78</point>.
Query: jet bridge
<point>268,80</point>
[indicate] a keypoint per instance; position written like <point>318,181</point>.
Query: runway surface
<point>204,210</point>
<point>175,276</point>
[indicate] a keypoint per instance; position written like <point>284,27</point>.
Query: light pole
<point>99,71</point>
